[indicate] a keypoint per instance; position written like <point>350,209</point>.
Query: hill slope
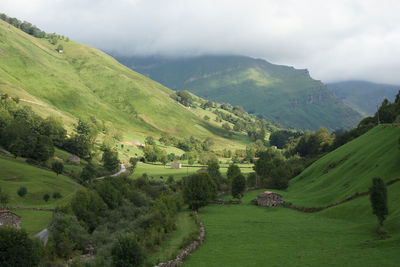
<point>349,169</point>
<point>248,235</point>
<point>364,96</point>
<point>83,81</point>
<point>280,93</point>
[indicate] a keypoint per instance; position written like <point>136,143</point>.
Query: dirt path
<point>122,170</point>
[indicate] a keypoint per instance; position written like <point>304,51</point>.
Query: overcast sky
<point>335,40</point>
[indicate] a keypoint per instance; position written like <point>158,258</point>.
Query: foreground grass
<point>185,227</point>
<point>345,235</point>
<point>247,235</point>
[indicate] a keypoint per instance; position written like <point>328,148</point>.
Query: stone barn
<point>7,218</point>
<point>176,165</point>
<point>269,199</point>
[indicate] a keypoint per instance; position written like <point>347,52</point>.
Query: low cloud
<point>337,40</point>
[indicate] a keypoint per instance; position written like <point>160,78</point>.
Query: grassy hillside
<point>83,81</point>
<point>349,169</point>
<point>364,96</point>
<point>280,93</point>
<point>345,235</point>
<point>16,173</point>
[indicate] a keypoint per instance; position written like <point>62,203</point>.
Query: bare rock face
<point>269,199</point>
<point>7,218</point>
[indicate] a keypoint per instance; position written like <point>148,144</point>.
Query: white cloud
<point>336,40</point>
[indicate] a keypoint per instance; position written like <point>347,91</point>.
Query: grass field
<point>247,235</point>
<point>157,171</point>
<point>345,235</point>
<point>38,182</point>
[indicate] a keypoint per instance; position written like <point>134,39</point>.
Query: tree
<point>22,191</point>
<point>213,170</point>
<point>60,48</point>
<point>238,186</point>
<point>378,197</point>
<point>17,249</point>
<point>17,147</point>
<point>126,251</point>
<point>46,197</point>
<point>44,148</point>
<point>57,167</point>
<point>88,173</point>
<point>133,162</point>
<point>163,158</point>
<point>57,195</point>
<point>252,179</point>
<point>198,190</point>
<point>110,160</point>
<point>233,171</point>
<point>150,141</point>
<point>66,234</point>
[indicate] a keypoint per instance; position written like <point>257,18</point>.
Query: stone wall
<point>10,219</point>
<point>187,251</point>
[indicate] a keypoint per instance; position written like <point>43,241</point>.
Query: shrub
<point>126,251</point>
<point>46,197</point>
<point>17,249</point>
<point>22,191</point>
<point>57,195</point>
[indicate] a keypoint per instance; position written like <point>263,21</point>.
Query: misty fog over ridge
<point>351,40</point>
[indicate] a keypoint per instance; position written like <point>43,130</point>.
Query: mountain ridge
<point>280,93</point>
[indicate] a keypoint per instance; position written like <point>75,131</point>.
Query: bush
<point>57,195</point>
<point>46,197</point>
<point>57,167</point>
<point>22,191</point>
<point>238,186</point>
<point>17,249</point>
<point>126,251</point>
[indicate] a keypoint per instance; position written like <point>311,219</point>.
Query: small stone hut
<point>176,165</point>
<point>269,199</point>
<point>7,218</point>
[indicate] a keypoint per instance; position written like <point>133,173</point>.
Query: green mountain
<point>82,81</point>
<point>364,96</point>
<point>281,94</point>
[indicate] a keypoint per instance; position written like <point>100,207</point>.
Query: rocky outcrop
<point>187,251</point>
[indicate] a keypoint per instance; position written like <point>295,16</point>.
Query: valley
<point>124,170</point>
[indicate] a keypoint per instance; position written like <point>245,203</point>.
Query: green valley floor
<point>248,235</point>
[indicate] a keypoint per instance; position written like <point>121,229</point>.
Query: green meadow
<point>15,174</point>
<point>248,235</point>
<point>344,235</point>
<point>158,171</point>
